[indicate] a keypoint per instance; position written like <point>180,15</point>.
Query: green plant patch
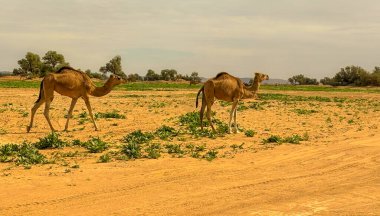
<point>51,141</point>
<point>25,154</point>
<point>132,150</point>
<point>304,111</point>
<point>138,137</point>
<point>165,132</point>
<point>95,145</point>
<point>113,114</point>
<point>250,133</point>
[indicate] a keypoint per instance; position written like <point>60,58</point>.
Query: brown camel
<point>227,88</point>
<point>74,84</point>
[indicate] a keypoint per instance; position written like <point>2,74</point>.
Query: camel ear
<point>112,76</point>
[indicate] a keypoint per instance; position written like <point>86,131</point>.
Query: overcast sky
<point>279,37</point>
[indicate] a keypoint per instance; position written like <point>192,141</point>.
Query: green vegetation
<point>304,111</point>
<point>211,155</point>
<point>132,150</point>
<point>104,158</point>
<point>138,137</point>
<point>165,132</point>
<point>191,122</point>
<point>249,133</point>
<point>113,114</point>
<point>25,154</point>
<point>95,145</point>
<point>294,139</point>
<point>51,141</point>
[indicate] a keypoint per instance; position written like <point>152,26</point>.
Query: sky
<point>281,38</point>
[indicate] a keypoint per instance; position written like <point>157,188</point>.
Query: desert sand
<point>335,172</point>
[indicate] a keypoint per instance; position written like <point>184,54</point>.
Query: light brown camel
<point>227,88</point>
<point>74,84</point>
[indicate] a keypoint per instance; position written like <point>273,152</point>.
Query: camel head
<point>114,80</point>
<point>261,77</point>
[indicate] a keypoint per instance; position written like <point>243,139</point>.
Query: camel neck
<point>101,91</point>
<point>255,85</point>
<point>248,93</point>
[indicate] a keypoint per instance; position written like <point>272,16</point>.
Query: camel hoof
<point>27,129</point>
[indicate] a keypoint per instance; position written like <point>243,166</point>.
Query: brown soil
<point>335,172</point>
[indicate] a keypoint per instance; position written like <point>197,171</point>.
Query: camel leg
<point>33,112</point>
<point>46,112</point>
<point>236,127</point>
<point>234,104</point>
<point>87,101</point>
<point>69,115</point>
<point>208,114</point>
<point>201,112</point>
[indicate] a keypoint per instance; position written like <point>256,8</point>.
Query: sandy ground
<point>335,172</point>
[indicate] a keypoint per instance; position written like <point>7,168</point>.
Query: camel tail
<point>200,90</point>
<point>41,89</point>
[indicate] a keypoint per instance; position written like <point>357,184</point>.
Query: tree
<point>30,65</point>
<point>194,78</point>
<point>352,75</point>
<point>94,75</point>
<point>328,81</point>
<point>169,74</point>
<point>134,77</point>
<point>151,75</point>
<point>375,76</point>
<point>53,59</point>
<point>302,80</point>
<point>114,66</point>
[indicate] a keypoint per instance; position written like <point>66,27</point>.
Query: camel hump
<point>222,74</point>
<point>65,68</point>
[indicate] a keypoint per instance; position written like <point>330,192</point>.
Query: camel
<point>74,84</point>
<point>227,88</point>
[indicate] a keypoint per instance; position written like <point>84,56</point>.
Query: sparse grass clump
<point>304,111</point>
<point>132,150</point>
<point>175,150</point>
<point>51,141</point>
<point>191,121</point>
<point>165,132</point>
<point>95,145</point>
<point>294,139</point>
<point>210,155</point>
<point>153,151</point>
<point>113,114</point>
<point>138,137</point>
<point>25,154</point>
<point>104,158</point>
<point>273,139</point>
<point>250,133</point>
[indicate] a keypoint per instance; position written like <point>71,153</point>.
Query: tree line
<point>347,76</point>
<point>34,66</point>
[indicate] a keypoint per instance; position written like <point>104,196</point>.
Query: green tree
<point>54,60</point>
<point>114,66</point>
<point>134,77</point>
<point>352,75</point>
<point>375,76</point>
<point>30,65</point>
<point>169,74</point>
<point>302,80</point>
<point>151,75</point>
<point>194,78</point>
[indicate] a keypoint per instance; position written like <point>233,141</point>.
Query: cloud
<point>282,38</point>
